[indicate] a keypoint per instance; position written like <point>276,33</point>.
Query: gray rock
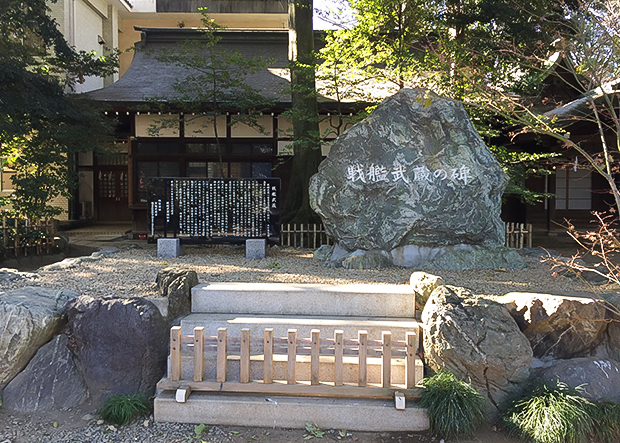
<point>611,302</point>
<point>423,285</point>
<point>29,317</point>
<point>323,253</point>
<point>49,381</point>
<point>476,259</point>
<point>557,326</point>
<point>367,260</point>
<point>119,344</point>
<point>410,256</point>
<point>8,274</point>
<point>599,378</point>
<point>476,339</point>
<point>176,285</point>
<point>105,252</point>
<point>410,175</point>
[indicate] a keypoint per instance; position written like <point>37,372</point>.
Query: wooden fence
<point>313,235</point>
<point>21,237</point>
<point>304,235</point>
<point>245,346</point>
<point>518,235</point>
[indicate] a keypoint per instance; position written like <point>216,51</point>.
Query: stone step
<point>257,324</point>
<point>302,368</point>
<point>369,415</point>
<point>361,300</point>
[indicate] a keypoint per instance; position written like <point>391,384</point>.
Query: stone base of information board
<point>169,247</point>
<point>255,248</point>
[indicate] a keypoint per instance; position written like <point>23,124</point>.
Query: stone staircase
<point>238,392</point>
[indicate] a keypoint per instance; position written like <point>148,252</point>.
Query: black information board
<point>214,210</point>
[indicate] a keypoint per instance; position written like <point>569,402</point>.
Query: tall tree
<point>304,112</point>
<point>43,126</point>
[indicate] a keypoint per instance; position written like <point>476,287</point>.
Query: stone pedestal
<point>169,247</point>
<point>255,248</point>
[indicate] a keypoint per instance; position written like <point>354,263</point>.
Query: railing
<point>518,235</point>
<point>20,237</point>
<point>308,235</point>
<point>268,347</point>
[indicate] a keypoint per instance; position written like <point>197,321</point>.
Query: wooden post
<point>338,351</point>
<point>530,234</point>
<point>244,369</point>
<point>314,357</point>
<point>199,350</point>
<point>362,337</point>
<point>386,366</point>
<point>314,241</point>
<point>301,234</point>
<point>268,356</point>
<point>410,362</point>
<point>175,353</point>
<point>4,232</point>
<point>292,356</point>
<point>16,238</point>
<point>222,341</point>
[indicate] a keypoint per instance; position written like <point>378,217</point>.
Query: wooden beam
<point>268,356</point>
<point>314,357</point>
<point>221,354</point>
<point>199,349</point>
<point>386,366</point>
<point>281,387</point>
<point>292,356</point>
<point>175,353</point>
<point>362,337</point>
<point>244,365</point>
<point>338,348</point>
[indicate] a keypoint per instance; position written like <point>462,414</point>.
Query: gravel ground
<point>132,271</point>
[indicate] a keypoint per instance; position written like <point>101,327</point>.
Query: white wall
<point>88,26</point>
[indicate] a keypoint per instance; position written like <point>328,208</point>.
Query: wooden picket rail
<point>518,235</point>
<point>304,235</point>
<point>17,241</point>
<point>267,346</point>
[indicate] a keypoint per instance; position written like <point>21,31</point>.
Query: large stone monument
<point>412,181</point>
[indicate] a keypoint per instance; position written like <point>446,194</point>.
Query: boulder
<point>477,340</point>
<point>29,317</point>
<point>323,253</point>
<point>476,259</point>
<point>120,345</point>
<point>411,174</point>
<point>367,260</point>
<point>49,381</point>
<point>612,333</point>
<point>423,285</point>
<point>176,285</point>
<point>558,326</point>
<point>599,378</point>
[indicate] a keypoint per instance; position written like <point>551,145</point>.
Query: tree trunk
<point>307,144</point>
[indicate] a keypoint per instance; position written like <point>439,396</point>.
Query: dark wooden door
<point>113,194</point>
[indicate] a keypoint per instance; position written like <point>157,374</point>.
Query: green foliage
<point>454,407</point>
<point>42,128</point>
<point>121,409</point>
<point>606,417</point>
<point>313,431</point>
<point>551,414</point>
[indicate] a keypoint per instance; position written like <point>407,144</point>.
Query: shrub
<point>551,414</point>
<point>606,416</point>
<point>454,407</point>
<point>120,409</point>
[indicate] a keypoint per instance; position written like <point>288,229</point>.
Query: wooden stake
<point>314,357</point>
<point>244,370</point>
<point>268,356</point>
<point>221,354</point>
<point>292,356</point>
<point>338,350</point>
<point>386,366</point>
<point>362,337</point>
<point>175,353</point>
<point>199,349</point>
<point>410,362</point>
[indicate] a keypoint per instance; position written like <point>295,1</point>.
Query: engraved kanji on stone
<point>460,175</point>
<point>421,173</point>
<point>398,172</point>
<point>377,173</point>
<point>356,172</point>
